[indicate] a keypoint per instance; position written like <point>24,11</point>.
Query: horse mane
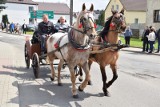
<point>104,32</point>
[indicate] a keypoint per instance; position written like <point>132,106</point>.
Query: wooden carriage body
<point>33,48</point>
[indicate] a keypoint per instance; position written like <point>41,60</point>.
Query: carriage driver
<point>45,28</point>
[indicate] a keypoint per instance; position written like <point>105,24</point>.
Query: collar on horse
<point>75,44</point>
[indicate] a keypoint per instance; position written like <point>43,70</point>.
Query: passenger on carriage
<point>45,29</point>
<point>62,25</point>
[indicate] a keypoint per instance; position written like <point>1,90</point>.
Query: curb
<point>140,52</point>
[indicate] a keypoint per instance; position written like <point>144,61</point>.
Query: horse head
<point>118,21</point>
<point>85,22</point>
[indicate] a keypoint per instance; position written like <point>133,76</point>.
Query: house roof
<point>22,2</point>
<point>58,8</point>
<point>134,5</point>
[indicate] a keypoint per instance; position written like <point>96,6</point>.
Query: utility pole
<point>71,12</point>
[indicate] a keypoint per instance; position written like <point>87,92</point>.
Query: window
<point>30,8</point>
<point>156,16</point>
<point>117,7</point>
<point>136,21</point>
<point>112,7</point>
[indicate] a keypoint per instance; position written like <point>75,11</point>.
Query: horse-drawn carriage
<point>32,53</point>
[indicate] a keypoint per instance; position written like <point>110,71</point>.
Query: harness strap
<point>59,49</point>
<point>62,55</point>
<point>76,45</point>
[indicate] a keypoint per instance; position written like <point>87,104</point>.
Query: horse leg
<point>115,75</point>
<point>89,65</point>
<point>104,79</point>
<point>51,59</point>
<point>87,77</point>
<point>73,80</point>
<point>81,74</point>
<point>59,71</point>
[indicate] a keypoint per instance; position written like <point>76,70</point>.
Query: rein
<point>76,45</point>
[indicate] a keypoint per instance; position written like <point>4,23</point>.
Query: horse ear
<point>83,7</point>
<point>122,11</point>
<point>91,8</point>
<point>113,11</point>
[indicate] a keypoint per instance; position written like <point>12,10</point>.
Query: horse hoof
<point>107,94</point>
<point>75,96</point>
<point>52,79</point>
<point>59,84</point>
<point>79,88</point>
<point>89,82</point>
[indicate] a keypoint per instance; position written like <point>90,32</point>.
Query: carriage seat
<point>35,38</point>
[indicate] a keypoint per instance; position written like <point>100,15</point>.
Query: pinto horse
<point>73,47</point>
<point>116,24</point>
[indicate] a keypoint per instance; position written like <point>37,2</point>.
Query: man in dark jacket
<point>45,28</point>
<point>145,39</point>
<point>158,37</point>
<point>24,28</point>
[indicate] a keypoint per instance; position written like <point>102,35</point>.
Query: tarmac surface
<point>9,95</point>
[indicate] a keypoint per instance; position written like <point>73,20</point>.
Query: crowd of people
<point>149,38</point>
<point>15,28</point>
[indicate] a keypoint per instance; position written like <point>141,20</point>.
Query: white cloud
<point>77,4</point>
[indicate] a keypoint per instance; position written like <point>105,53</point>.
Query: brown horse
<point>73,47</point>
<point>116,25</point>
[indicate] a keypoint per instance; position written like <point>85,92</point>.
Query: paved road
<point>137,85</point>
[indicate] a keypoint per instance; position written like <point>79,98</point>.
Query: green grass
<point>29,32</point>
<point>135,42</point>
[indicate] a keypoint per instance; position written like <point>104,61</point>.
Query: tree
<point>2,2</point>
<point>100,20</point>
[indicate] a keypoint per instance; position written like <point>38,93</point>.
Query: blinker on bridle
<point>116,23</point>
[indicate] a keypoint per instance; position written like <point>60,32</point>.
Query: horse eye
<point>84,19</point>
<point>116,17</point>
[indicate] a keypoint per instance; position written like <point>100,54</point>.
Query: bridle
<point>84,23</point>
<point>117,23</point>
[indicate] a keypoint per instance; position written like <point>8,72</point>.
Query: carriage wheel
<point>26,55</point>
<point>35,65</point>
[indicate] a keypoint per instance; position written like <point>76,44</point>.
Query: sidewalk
<point>138,50</point>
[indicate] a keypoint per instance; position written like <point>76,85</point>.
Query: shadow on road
<point>38,92</point>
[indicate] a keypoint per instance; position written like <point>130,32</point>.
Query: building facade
<point>153,13</point>
<point>135,13</point>
<point>59,9</point>
<point>19,11</point>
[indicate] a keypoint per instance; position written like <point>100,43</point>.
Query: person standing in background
<point>12,27</point>
<point>145,39</point>
<point>151,39</point>
<point>127,35</point>
<point>158,37</point>
<point>24,28</point>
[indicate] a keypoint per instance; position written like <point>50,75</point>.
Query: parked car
<point>31,27</point>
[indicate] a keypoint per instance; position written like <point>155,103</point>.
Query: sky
<point>77,4</point>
